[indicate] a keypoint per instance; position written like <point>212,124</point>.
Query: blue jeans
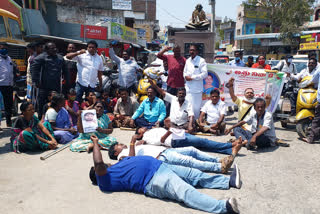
<point>240,132</point>
<point>203,143</point>
<point>80,89</point>
<point>142,122</point>
<point>191,157</point>
<point>177,183</point>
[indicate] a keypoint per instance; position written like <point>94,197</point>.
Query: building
<point>228,30</point>
<point>253,33</point>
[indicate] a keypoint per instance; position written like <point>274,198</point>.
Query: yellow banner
<point>305,36</point>
<point>310,46</point>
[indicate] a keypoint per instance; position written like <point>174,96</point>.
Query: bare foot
<point>213,131</point>
<point>90,147</point>
<point>226,163</point>
<point>306,140</point>
<point>244,143</point>
<point>237,147</point>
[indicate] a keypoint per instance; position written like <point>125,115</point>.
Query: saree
<point>105,141</point>
<point>22,140</point>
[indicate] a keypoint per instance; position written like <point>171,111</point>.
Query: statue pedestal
<point>204,39</point>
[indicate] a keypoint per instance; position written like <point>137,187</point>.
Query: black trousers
<point>7,93</point>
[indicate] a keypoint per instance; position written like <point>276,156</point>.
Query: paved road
<point>281,180</point>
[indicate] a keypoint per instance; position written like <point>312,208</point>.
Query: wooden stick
<point>55,151</point>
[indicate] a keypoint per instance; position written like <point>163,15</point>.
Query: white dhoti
<point>196,100</point>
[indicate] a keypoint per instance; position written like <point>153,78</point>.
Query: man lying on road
<point>187,156</point>
<point>178,138</point>
<point>145,174</point>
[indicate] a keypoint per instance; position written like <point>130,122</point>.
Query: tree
<point>287,15</point>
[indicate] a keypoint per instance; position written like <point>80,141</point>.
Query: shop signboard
<point>121,5</point>
<point>310,46</point>
<point>94,32</point>
<point>123,33</point>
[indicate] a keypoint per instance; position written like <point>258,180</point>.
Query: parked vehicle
<point>221,59</point>
<point>306,103</point>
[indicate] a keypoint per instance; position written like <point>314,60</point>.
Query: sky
<point>177,13</point>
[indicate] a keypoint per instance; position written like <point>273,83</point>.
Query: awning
<point>14,44</point>
<point>271,35</point>
<point>258,36</point>
<point>35,36</point>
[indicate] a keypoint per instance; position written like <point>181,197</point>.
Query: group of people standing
<point>58,84</point>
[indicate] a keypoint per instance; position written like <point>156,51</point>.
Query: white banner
<point>259,80</point>
<point>121,5</point>
<point>219,75</point>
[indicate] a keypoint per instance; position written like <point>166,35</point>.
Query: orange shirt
<point>256,65</point>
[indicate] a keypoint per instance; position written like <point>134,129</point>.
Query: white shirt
<point>88,67</point>
<point>305,72</point>
<point>287,69</point>
<point>179,114</point>
<point>214,112</point>
<point>266,121</point>
<point>127,70</point>
<point>6,71</point>
<point>153,137</point>
<point>143,150</point>
<point>51,115</point>
<point>197,69</point>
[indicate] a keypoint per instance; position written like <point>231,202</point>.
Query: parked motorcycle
<point>306,103</point>
<point>291,89</point>
<point>109,81</point>
<point>19,93</point>
<point>152,73</point>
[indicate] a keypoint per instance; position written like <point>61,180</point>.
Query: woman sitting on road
<point>83,142</point>
<point>91,100</point>
<point>72,106</point>
<point>29,134</point>
<point>58,117</point>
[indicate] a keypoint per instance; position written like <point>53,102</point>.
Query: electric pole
<point>213,17</point>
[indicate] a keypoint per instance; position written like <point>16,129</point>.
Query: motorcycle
<point>291,89</point>
<point>19,90</point>
<point>152,73</point>
<point>109,81</point>
<point>306,103</point>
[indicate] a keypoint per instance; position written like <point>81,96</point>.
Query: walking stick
<point>55,151</point>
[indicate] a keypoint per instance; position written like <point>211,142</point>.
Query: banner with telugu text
<point>257,79</point>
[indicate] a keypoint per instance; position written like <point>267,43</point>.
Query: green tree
<point>287,15</point>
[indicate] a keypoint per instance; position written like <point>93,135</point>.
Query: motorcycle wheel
<point>303,127</point>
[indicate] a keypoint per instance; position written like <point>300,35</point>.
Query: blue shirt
<point>233,63</point>
<point>130,174</point>
<point>152,112</point>
<point>316,79</point>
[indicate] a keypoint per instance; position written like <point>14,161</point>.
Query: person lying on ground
<point>176,138</point>
<point>124,109</point>
<point>153,110</point>
<point>181,111</point>
<point>147,175</point>
<point>83,142</point>
<point>58,117</point>
<point>215,110</point>
<point>262,132</point>
<point>29,134</point>
<point>187,156</point>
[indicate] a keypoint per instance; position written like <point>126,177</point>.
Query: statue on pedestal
<point>199,20</point>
